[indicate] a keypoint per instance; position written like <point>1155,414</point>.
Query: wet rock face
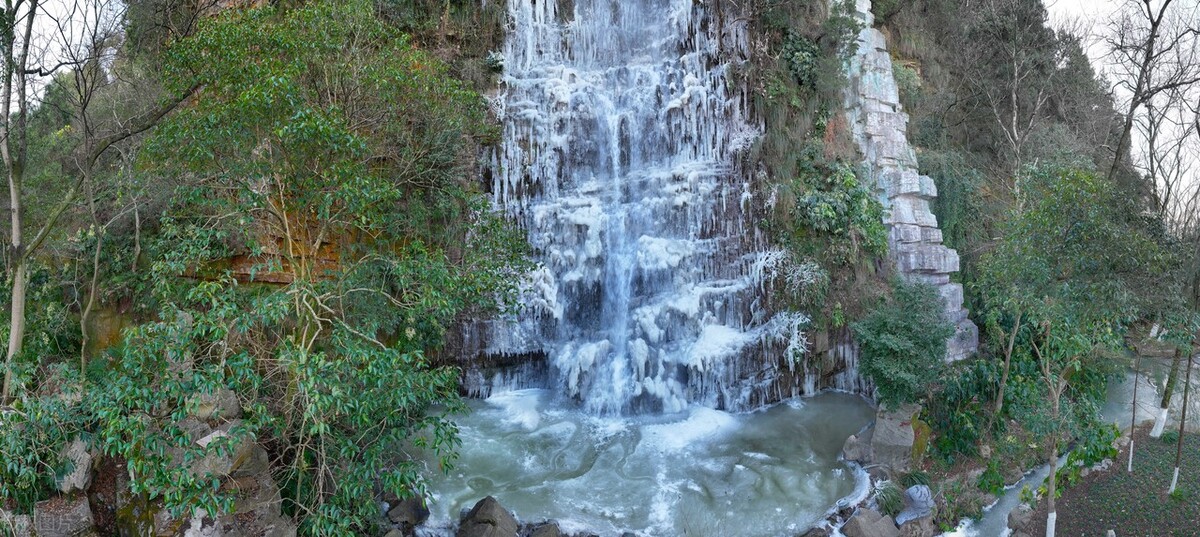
<point>625,131</point>
<point>879,125</point>
<point>488,519</point>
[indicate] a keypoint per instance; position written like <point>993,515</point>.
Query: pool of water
<point>700,472</point>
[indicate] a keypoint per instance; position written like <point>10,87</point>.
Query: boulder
<point>15,525</point>
<point>488,519</point>
<point>79,468</point>
<point>222,403</point>
<point>246,459</point>
<point>868,523</point>
<point>257,512</point>
<point>893,437</point>
<point>1020,517</point>
<point>549,529</point>
<point>858,447</point>
<point>64,516</point>
<point>918,504</point>
<point>919,528</point>
<point>409,513</point>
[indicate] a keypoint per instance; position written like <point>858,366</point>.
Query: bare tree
<point>1154,48</point>
<point>76,38</point>
<point>1011,65</point>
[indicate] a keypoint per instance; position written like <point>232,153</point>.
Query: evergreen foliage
<point>902,344</point>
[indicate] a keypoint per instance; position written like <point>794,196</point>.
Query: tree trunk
<point>1160,420</point>
<point>13,150</point>
<point>1187,388</point>
<point>16,334</point>
<point>1051,487</point>
<point>1008,351</point>
<point>1137,358</point>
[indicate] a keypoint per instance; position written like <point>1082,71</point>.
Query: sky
<point>1090,16</point>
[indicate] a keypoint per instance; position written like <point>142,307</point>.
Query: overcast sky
<point>1090,17</point>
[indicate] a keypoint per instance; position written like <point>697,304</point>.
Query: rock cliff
<point>879,126</point>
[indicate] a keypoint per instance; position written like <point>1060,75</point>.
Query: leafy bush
<point>803,59</point>
<point>834,215</point>
<point>991,480</point>
<point>955,412</point>
<point>902,343</point>
<point>32,436</point>
<point>1095,443</point>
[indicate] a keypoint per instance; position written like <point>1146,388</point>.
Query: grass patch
<point>1134,504</point>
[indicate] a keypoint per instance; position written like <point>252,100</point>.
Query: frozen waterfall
<point>622,131</point>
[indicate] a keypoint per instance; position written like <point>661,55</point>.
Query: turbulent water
<point>701,472</point>
<point>621,130</point>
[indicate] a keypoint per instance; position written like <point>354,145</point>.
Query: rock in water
<point>868,523</point>
<point>1020,517</point>
<point>488,519</point>
<point>409,513</point>
<point>549,529</point>
<point>858,447</point>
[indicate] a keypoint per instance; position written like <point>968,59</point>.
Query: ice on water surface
<point>699,472</point>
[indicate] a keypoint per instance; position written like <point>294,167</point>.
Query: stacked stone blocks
<point>879,126</point>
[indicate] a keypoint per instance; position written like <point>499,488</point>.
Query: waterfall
<point>622,128</point>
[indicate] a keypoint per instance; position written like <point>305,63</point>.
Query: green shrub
<point>32,436</point>
<point>1170,437</point>
<point>890,499</point>
<point>991,480</point>
<point>902,343</point>
<point>914,478</point>
<point>955,412</point>
<point>907,81</point>
<point>803,59</point>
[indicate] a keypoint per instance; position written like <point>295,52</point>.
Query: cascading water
<point>623,128</point>
<point>621,132</point>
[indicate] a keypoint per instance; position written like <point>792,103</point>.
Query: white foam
<point>701,425</point>
<point>519,407</point>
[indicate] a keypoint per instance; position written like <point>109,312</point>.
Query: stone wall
<point>879,125</point>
